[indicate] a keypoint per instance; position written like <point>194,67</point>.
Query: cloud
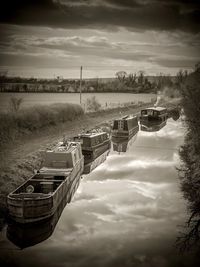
<point>97,47</point>
<point>140,15</point>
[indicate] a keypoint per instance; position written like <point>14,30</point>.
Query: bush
<point>171,92</point>
<point>35,118</point>
<point>15,103</point>
<point>92,104</point>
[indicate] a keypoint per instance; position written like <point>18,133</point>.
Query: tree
<point>131,79</point>
<point>141,77</point>
<point>121,76</point>
<point>181,77</point>
<point>190,157</point>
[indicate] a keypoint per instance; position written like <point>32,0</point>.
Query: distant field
<point>105,99</point>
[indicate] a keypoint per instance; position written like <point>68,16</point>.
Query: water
<point>124,213</point>
<point>105,99</point>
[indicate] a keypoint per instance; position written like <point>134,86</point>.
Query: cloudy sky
<point>47,38</point>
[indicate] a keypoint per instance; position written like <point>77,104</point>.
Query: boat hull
<point>94,153</point>
<point>29,209</point>
<point>95,163</point>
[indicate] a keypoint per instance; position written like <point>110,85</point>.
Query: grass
<point>26,121</point>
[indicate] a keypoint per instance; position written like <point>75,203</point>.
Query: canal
<point>127,212</point>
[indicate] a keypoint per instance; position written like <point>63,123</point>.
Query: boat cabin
<point>93,144</point>
<point>92,139</point>
<point>125,126</point>
<point>63,156</point>
<point>154,113</point>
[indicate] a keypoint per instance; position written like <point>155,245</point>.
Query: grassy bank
<point>190,156</point>
<point>30,120</point>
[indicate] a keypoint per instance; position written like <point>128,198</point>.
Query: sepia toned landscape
<point>100,133</point>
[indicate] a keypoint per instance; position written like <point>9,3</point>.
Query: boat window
<point>155,113</point>
<point>150,112</point>
<point>87,141</point>
<point>115,125</point>
<point>144,112</point>
<point>127,124</point>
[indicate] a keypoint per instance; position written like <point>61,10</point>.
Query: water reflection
<point>123,144</point>
<point>151,126</point>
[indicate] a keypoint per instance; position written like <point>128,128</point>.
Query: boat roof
<point>64,147</point>
<point>55,171</point>
<point>92,134</point>
<point>155,108</point>
<point>127,117</point>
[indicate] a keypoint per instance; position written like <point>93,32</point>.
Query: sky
<point>50,38</point>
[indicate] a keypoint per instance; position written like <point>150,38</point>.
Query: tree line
<point>123,82</point>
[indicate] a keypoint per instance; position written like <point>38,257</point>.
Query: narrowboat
<point>39,197</point>
<point>154,114</point>
<point>125,126</point>
<point>93,144</point>
<point>89,167</point>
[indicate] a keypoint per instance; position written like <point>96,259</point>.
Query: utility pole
<point>80,88</point>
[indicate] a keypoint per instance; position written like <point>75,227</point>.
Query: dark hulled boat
<point>154,114</point>
<point>125,127</point>
<point>153,119</point>
<point>93,145</point>
<point>39,197</point>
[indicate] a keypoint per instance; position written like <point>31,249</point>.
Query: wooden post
<point>80,89</point>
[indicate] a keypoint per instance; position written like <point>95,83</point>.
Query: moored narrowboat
<point>125,126</point>
<point>154,114</point>
<point>93,144</point>
<point>39,197</point>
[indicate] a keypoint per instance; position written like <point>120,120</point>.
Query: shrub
<point>92,104</point>
<point>15,103</point>
<point>35,118</point>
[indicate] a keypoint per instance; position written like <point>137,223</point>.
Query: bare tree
<point>121,75</point>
